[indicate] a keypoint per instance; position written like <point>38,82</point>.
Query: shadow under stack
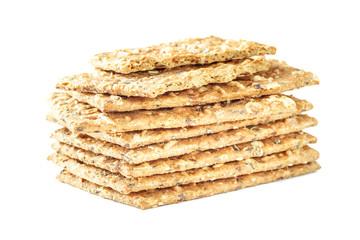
<point>182,120</point>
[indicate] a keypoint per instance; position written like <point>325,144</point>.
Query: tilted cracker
<point>180,147</point>
<point>159,197</point>
<point>183,52</point>
<point>193,160</point>
<point>279,78</point>
<point>142,138</point>
<point>82,118</point>
<point>219,171</point>
<point>136,139</point>
<point>153,83</point>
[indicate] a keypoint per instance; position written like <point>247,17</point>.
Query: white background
<point>42,41</point>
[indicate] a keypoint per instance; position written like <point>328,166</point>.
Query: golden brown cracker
<point>219,171</point>
<point>159,197</point>
<point>154,83</point>
<point>183,52</point>
<point>82,118</point>
<point>184,146</point>
<point>136,139</point>
<point>189,161</point>
<point>279,78</point>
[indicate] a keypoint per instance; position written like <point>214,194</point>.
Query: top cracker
<point>189,51</point>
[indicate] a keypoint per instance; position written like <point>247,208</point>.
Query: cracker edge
<point>125,185</point>
<point>140,200</point>
<point>131,171</point>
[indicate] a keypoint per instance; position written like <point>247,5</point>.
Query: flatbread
<point>136,139</point>
<point>154,83</point>
<point>279,78</point>
<point>184,52</point>
<point>193,160</point>
<point>83,118</point>
<point>219,171</point>
<point>159,197</point>
<point>180,147</point>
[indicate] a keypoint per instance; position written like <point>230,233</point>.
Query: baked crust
<point>140,138</point>
<point>159,197</point>
<point>153,83</point>
<point>279,78</point>
<point>182,120</point>
<point>219,171</point>
<point>189,161</point>
<point>83,118</point>
<point>184,146</point>
<point>184,52</point>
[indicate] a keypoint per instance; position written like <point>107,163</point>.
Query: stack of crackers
<point>182,120</point>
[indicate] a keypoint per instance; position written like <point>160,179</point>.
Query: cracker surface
<point>180,147</point>
<point>140,138</point>
<point>219,171</point>
<point>189,161</point>
<point>81,117</point>
<point>189,51</point>
<point>153,83</point>
<point>159,197</point>
<point>279,78</point>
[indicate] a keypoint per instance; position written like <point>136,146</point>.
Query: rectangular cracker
<point>219,171</point>
<point>279,78</point>
<point>83,118</point>
<point>145,137</point>
<point>193,160</point>
<point>180,147</point>
<point>159,197</point>
<point>188,51</point>
<point>153,83</point>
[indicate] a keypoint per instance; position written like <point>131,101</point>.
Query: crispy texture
<point>180,147</point>
<point>220,171</point>
<point>184,52</point>
<point>193,160</point>
<point>83,118</point>
<point>153,83</point>
<point>279,78</point>
<point>142,138</point>
<point>159,197</point>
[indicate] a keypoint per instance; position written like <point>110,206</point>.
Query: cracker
<point>141,138</point>
<point>193,160</point>
<point>180,147</point>
<point>173,54</point>
<point>82,118</point>
<point>219,171</point>
<point>136,139</point>
<point>159,197</point>
<point>279,78</point>
<point>154,83</point>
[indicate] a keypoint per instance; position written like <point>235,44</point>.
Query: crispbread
<point>220,171</point>
<point>142,138</point>
<point>279,78</point>
<point>82,118</point>
<point>173,54</point>
<point>193,160</point>
<point>154,83</point>
<point>180,147</point>
<point>159,197</point>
